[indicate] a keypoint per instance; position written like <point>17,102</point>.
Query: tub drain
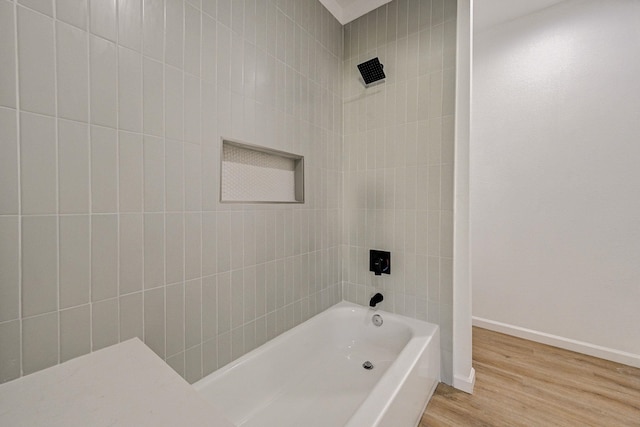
<point>367,365</point>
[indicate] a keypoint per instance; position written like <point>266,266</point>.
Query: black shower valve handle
<point>379,262</point>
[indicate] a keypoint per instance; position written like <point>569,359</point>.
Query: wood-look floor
<point>522,383</point>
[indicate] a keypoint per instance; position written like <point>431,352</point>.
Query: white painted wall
<point>464,375</point>
<point>555,177</point>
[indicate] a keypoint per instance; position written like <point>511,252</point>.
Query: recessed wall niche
<point>254,174</point>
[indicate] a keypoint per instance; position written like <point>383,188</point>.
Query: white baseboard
<point>560,342</point>
<point>465,383</point>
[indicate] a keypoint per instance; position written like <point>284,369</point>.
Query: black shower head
<point>371,71</point>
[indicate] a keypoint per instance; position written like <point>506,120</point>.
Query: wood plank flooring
<point>523,383</point>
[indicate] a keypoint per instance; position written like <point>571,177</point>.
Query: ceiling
<point>487,13</point>
<point>346,11</point>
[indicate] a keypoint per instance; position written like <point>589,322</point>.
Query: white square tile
<point>9,268</point>
<point>236,63</point>
<point>237,16</point>
<point>39,342</point>
<point>434,142</point>
<point>250,21</point>
<point>153,28</point>
<point>210,7</point>
<point>10,357</point>
<point>209,308</point>
<point>224,306</point>
<point>36,62</point>
<point>260,236</point>
<point>131,316</point>
<point>446,234</point>
<point>130,24</point>
<point>208,55</point>
<point>446,187</point>
<point>154,320</point>
<point>153,174</point>
<point>193,302</point>
<point>237,116</point>
<point>39,265</point>
<point>193,245</point>
<point>249,337</point>
<point>131,253</point>
<point>193,364</point>
<point>210,174</point>
<point>75,260</point>
<point>437,12</point>
<point>43,6</point>
<point>129,90</point>
<point>104,163</point>
<point>72,72</point>
<point>446,281</point>
<point>103,19</point>
<point>104,324</point>
<point>73,167</point>
<point>72,12</point>
<point>174,255</point>
<point>224,111</point>
<point>175,319</point>
<point>154,265</point>
<point>37,164</point>
<point>224,12</point>
<point>174,33</point>
<point>281,36</point>
<point>104,257</point>
<point>436,51</point>
<point>9,193</point>
<point>174,170</point>
<point>75,332</point>
<point>209,247</point>
<point>103,82</point>
<point>249,294</point>
<point>192,40</point>
<point>174,103</point>
<point>249,234</point>
<point>193,177</point>
<point>223,54</point>
<point>192,109</point>
<point>237,299</point>
<point>7,55</point>
<point>236,227</point>
<point>448,92</point>
<point>130,171</point>
<point>153,97</point>
<point>433,233</point>
<point>433,198</point>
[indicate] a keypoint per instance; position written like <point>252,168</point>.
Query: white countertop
<point>122,385</point>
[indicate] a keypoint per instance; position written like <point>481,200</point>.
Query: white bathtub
<point>312,375</point>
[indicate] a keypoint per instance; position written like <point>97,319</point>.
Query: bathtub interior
<point>313,372</point>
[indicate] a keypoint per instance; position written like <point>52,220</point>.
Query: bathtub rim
<point>390,383</point>
<point>416,325</point>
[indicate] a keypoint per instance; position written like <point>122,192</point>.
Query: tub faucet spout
<point>377,298</point>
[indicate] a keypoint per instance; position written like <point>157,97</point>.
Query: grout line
<point>144,156</point>
<point>57,178</point>
<point>164,143</point>
<point>19,171</point>
<point>90,140</point>
<point>118,207</point>
<point>183,214</point>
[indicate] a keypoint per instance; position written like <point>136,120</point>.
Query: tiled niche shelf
<point>254,174</point>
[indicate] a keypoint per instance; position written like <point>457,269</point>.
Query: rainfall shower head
<point>371,71</point>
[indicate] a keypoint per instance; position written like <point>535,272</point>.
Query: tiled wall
<point>398,161</point>
<point>111,114</point>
